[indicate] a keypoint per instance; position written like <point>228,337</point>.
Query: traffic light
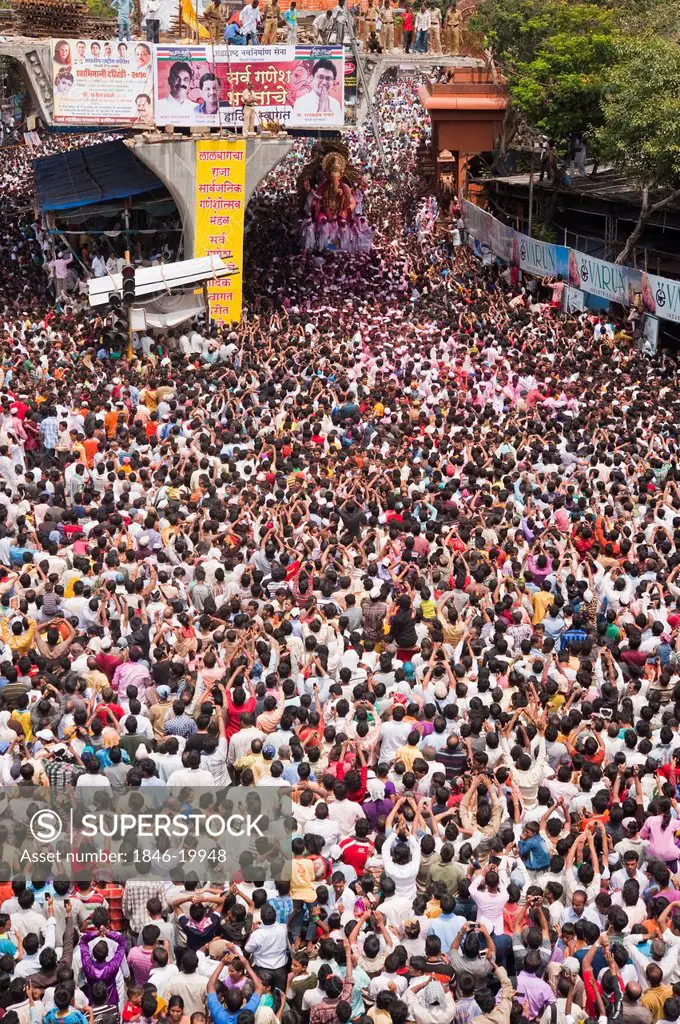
<point>128,275</point>
<point>117,319</point>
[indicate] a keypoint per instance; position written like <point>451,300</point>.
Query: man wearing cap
<point>61,765</point>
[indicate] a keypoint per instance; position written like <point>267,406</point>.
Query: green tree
<point>640,133</point>
<point>636,18</point>
<point>560,90</point>
<point>515,29</point>
<point>554,55</point>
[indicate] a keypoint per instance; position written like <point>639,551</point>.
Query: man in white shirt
<point>268,946</point>
<point>93,778</point>
<point>343,812</point>
<point>240,743</point>
<point>188,984</point>
<point>250,20</point>
<point>191,774</point>
<point>322,825</point>
<point>402,863</point>
<point>395,909</point>
<point>176,108</point>
<point>323,25</point>
<point>162,975</point>
<point>214,760</point>
<point>168,759</point>
<point>27,919</point>
<point>30,962</point>
<point>99,266</point>
<point>393,734</point>
<point>423,22</point>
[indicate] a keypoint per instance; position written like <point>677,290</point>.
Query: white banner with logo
<point>658,296</point>
<point>661,297</point>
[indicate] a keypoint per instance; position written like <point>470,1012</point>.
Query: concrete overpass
<point>173,160</point>
<point>34,57</point>
<point>376,65</point>
<point>173,157</point>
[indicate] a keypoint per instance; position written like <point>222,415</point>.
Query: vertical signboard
<point>220,209</point>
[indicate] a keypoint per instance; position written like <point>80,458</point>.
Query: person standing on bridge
<point>271,23</point>
<point>290,18</point>
<point>213,20</point>
<point>323,26</point>
<point>407,29</point>
<point>422,31</point>
<point>452,27</point>
<point>318,100</point>
<point>340,28</point>
<point>248,106</point>
<point>250,21</point>
<point>371,19</point>
<point>124,9</point>
<point>388,27</point>
<point>151,12</point>
<point>435,29</point>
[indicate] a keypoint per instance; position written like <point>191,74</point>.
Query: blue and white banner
<point>658,296</point>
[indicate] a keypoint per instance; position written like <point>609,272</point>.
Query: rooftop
<point>473,85</point>
<point>608,185</point>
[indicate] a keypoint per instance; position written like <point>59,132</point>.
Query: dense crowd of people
<point>406,542</point>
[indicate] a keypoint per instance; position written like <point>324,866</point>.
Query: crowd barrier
<point>655,296</point>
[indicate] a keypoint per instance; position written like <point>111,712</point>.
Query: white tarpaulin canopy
<point>163,278</point>
<point>165,311</point>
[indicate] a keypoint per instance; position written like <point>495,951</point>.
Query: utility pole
<point>128,289</point>
<point>531,190</point>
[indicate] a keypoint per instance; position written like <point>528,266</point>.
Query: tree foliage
<point>558,56</point>
<point>606,69</point>
<point>640,132</point>
<point>515,28</point>
<point>561,89</point>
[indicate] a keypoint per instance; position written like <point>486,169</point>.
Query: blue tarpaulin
<point>91,175</point>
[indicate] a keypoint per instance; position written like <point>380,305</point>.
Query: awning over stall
<point>81,177</point>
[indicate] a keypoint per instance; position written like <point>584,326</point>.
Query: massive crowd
<point>407,541</point>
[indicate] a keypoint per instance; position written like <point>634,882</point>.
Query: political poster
<point>220,212</point>
<point>102,81</point>
<point>201,86</point>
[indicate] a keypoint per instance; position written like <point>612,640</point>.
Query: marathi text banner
<point>220,210</point>
<point>102,82</point>
<point>202,86</point>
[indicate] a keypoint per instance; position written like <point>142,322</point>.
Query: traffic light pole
<point>129,312</point>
